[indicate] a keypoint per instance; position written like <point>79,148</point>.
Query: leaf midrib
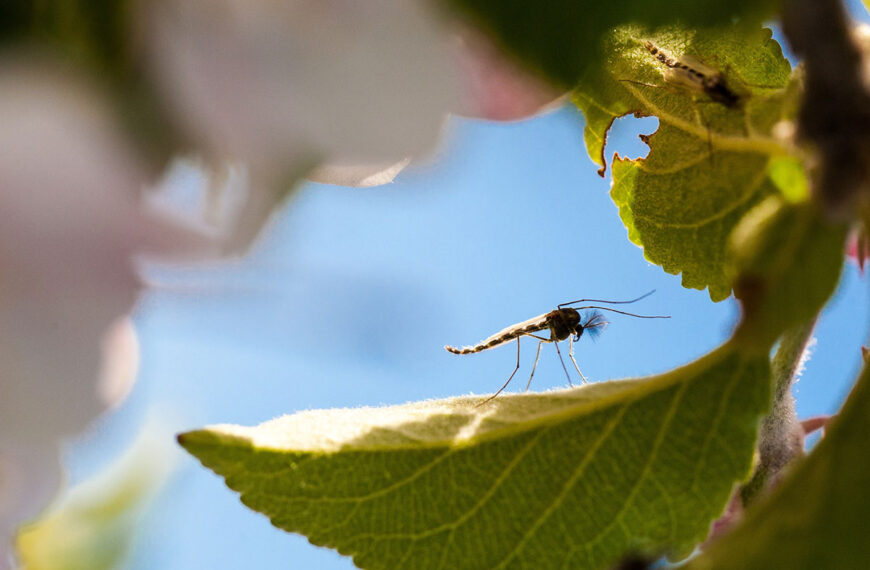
<point>750,143</point>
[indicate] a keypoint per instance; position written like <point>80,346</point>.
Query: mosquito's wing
<point>684,78</point>
<point>698,65</point>
<point>535,324</point>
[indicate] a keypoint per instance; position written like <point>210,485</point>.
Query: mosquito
<point>697,76</point>
<point>690,73</point>
<point>563,323</point>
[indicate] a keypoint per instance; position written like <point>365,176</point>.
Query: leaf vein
<point>453,524</point>
<point>575,476</point>
<point>717,420</point>
<point>668,416</point>
<point>753,187</point>
<point>759,145</point>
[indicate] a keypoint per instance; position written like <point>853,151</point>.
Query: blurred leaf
<point>93,31</point>
<point>817,517</point>
<point>561,39</point>
<point>787,173</point>
<point>92,526</point>
<point>708,161</point>
<point>572,478</point>
<point>14,19</point>
<point>787,259</point>
<point>99,38</point>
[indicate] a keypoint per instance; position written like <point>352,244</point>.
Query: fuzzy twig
<point>781,437</point>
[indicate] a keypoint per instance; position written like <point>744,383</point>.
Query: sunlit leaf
<point>572,478</point>
<point>708,162</point>
<point>561,39</point>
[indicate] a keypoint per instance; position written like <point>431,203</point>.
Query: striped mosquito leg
<point>565,368</point>
<point>571,354</point>
<point>511,377</point>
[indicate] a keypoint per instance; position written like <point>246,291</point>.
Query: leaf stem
<point>780,439</point>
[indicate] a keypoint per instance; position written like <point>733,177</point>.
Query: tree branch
<point>835,116</point>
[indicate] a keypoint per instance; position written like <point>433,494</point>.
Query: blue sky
<point>351,294</point>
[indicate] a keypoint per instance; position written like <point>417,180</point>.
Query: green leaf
<point>562,39</point>
<point>708,162</point>
<point>787,173</point>
<point>571,478</point>
<point>817,516</point>
<point>787,259</point>
<point>93,31</point>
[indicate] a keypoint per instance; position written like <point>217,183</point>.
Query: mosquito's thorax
<point>716,89</point>
<point>563,323</point>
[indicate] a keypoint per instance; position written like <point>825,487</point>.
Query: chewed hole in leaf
<point>627,136</point>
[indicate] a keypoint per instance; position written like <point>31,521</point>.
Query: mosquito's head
<point>719,91</point>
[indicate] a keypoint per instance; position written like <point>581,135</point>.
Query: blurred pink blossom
<point>858,248</point>
<point>70,222</point>
<point>494,86</point>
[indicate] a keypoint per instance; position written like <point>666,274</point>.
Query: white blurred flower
<point>119,365</point>
<point>282,87</point>
<point>70,220</point>
<point>275,84</point>
<point>360,175</point>
<point>357,87</point>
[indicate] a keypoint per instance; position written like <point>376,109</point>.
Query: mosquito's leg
<point>565,368</point>
<point>541,340</point>
<point>642,84</point>
<point>699,116</point>
<point>709,139</point>
<point>535,365</point>
<point>571,354</point>
<point>511,377</point>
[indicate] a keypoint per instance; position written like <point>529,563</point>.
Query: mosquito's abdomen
<point>501,337</point>
<point>491,342</point>
<point>464,349</point>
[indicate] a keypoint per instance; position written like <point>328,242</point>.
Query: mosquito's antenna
<point>624,313</point>
<point>644,296</point>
